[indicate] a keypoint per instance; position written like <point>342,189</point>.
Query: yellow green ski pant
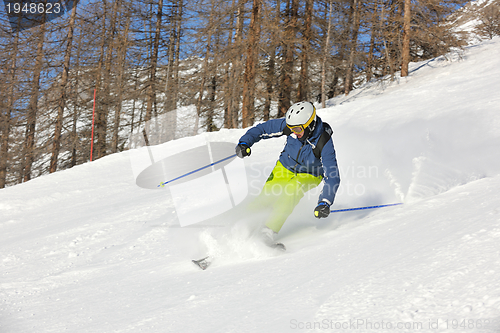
<point>282,192</point>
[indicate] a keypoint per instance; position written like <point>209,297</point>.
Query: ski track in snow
<point>86,250</point>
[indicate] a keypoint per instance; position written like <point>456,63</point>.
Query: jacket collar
<point>318,129</point>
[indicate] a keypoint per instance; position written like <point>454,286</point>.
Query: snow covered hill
<point>86,250</point>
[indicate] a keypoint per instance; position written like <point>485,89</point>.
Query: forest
<point>76,87</point>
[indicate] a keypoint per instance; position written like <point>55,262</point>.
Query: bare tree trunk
<point>340,68</point>
<point>247,110</point>
<point>406,38</point>
<point>353,45</point>
<point>373,34</point>
<point>136,83</point>
<point>99,127</point>
<point>62,98</point>
<point>269,84</point>
<point>170,63</point>
<point>106,101</point>
<point>202,85</point>
<point>234,67</point>
<point>325,56</point>
<point>122,58</point>
<point>6,123</point>
<point>154,62</point>
<point>287,68</point>
<point>389,36</point>
<point>229,68</point>
<point>33,107</point>
<point>178,32</point>
<point>210,105</point>
<point>235,96</point>
<point>175,88</point>
<point>270,80</point>
<point>76,111</point>
<point>204,74</point>
<point>271,65</point>
<point>212,88</point>
<point>170,104</point>
<point>303,91</point>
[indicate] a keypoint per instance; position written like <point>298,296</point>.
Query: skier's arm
<point>331,176</point>
<point>270,129</point>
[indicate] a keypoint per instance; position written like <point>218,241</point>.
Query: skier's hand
<point>322,210</point>
<point>243,150</point>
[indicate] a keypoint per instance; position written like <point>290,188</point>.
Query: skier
<point>307,158</point>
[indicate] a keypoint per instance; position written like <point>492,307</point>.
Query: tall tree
<point>237,66</point>
<point>76,103</point>
<point>107,99</point>
<point>29,145</point>
<point>270,71</point>
<point>406,38</point>
<point>274,27</point>
<point>326,54</point>
<point>121,64</point>
<point>205,70</point>
<point>231,63</point>
<point>154,63</point>
<point>373,35</point>
<point>247,111</point>
<point>353,43</point>
<point>7,114</point>
<point>172,76</point>
<point>177,47</point>
<point>340,58</point>
<point>63,96</point>
<point>288,45</point>
<point>303,91</point>
<point>100,117</point>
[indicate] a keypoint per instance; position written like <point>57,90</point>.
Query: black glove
<point>322,210</point>
<point>242,150</point>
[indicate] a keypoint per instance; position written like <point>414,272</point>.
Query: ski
<point>279,246</point>
<point>202,263</point>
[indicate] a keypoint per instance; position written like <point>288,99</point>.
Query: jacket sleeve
<point>331,173</point>
<point>270,129</point>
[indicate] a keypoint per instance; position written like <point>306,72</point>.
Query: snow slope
<point>86,250</point>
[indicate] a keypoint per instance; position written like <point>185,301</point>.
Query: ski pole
<point>199,169</point>
<point>366,207</point>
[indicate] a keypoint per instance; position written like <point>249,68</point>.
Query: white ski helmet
<point>301,116</point>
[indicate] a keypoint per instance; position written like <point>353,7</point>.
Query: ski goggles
<point>296,129</point>
<point>299,129</point>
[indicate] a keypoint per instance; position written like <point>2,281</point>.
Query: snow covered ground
<point>86,250</point>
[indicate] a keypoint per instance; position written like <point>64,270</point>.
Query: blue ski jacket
<point>298,156</point>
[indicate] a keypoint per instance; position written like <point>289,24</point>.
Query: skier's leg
<point>272,189</point>
<point>290,196</point>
